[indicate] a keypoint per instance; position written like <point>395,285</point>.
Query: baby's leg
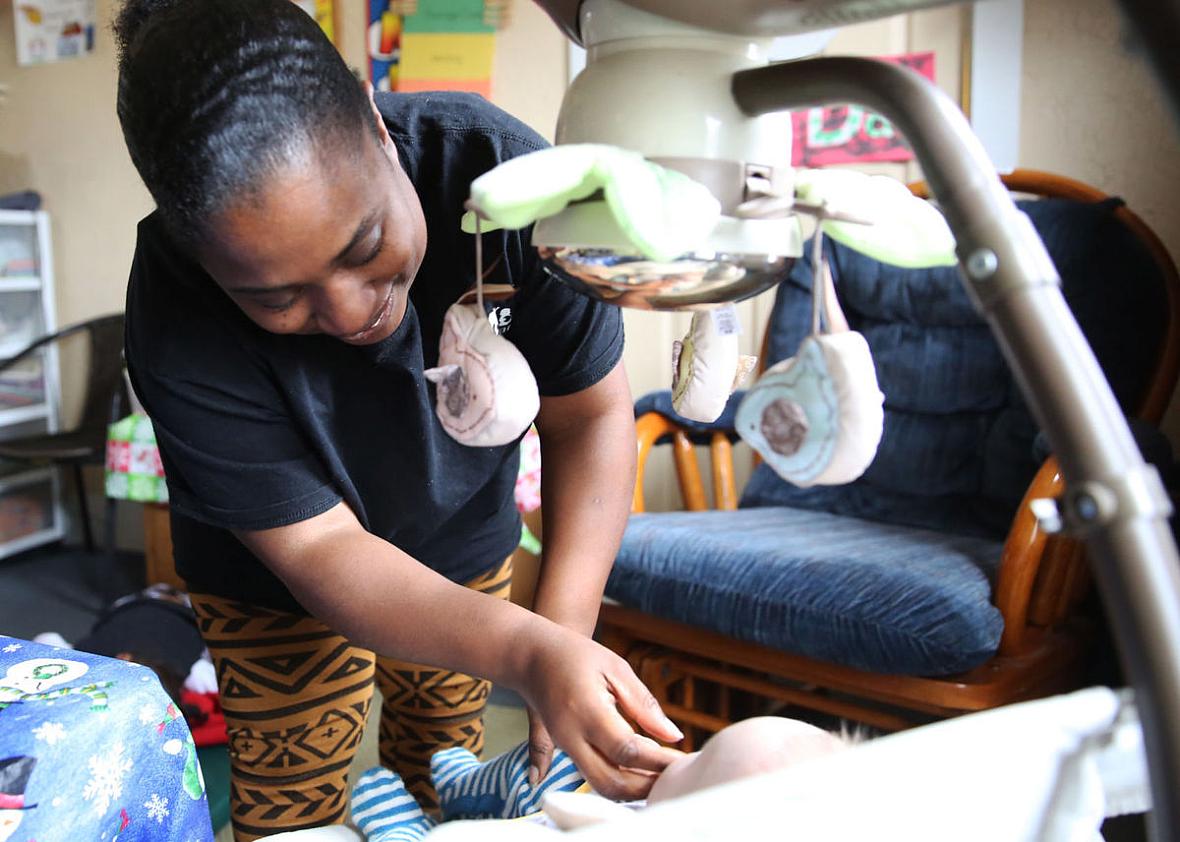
<point>384,810</point>
<point>468,789</point>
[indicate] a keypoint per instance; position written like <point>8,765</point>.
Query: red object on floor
<point>210,729</point>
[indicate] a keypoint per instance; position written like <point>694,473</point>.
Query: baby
<point>385,812</point>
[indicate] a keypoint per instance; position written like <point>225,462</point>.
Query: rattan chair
<point>709,670</point>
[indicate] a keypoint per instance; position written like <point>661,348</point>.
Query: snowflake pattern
<point>50,732</point>
<point>106,778</point>
<point>157,808</point>
<point>149,713</point>
<point>12,647</point>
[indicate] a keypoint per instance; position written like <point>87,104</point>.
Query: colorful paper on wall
<point>449,16</point>
<point>384,43</point>
<point>431,45</point>
<point>447,62</point>
<point>850,134</point>
<point>53,30</point>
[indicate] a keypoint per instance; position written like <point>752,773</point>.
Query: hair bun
<point>133,15</point>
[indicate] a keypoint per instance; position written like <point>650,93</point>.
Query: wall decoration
<point>433,45</point>
<point>324,12</point>
<point>383,42</point>
<point>53,30</point>
<point>851,134</point>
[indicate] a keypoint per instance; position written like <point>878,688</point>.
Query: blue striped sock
<point>498,789</point>
<point>384,811</point>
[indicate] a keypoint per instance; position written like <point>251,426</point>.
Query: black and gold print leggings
<point>295,695</point>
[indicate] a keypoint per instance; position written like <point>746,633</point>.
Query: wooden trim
<point>1053,592</point>
<point>779,691</point>
<point>721,462</point>
<point>1077,582</point>
<point>649,428</point>
<point>1050,580</point>
<point>1021,558</point>
<point>652,426</point>
<point>688,473</point>
<point>966,56</point>
<point>1034,182</point>
<point>1049,662</point>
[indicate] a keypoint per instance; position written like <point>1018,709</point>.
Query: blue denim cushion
<point>881,598</point>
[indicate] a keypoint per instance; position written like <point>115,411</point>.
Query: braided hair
<point>215,96</point>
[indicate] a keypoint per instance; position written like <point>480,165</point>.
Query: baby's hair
<point>214,96</point>
<point>852,734</point>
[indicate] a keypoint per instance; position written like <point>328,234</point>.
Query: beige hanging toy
<point>707,366</point>
<point>817,417</point>
<point>486,392</point>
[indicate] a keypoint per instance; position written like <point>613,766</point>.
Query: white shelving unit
<point>30,498</point>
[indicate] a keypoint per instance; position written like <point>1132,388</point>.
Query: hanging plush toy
<point>486,394</point>
<point>816,418</point>
<point>707,366</point>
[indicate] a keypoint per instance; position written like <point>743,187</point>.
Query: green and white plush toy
<point>896,226</point>
<point>663,213</point>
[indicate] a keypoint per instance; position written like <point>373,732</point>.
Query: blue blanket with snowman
<point>93,748</point>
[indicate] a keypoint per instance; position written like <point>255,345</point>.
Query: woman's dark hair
<point>216,95</point>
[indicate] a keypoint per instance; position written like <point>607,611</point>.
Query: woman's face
<point>330,244</point>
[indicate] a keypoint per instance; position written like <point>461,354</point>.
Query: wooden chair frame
<point>696,674</point>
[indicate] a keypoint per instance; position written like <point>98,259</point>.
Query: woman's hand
<point>540,748</point>
<point>580,691</point>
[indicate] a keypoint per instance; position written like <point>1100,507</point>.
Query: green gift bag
<point>133,468</point>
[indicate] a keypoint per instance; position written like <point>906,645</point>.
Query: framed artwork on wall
<point>851,134</point>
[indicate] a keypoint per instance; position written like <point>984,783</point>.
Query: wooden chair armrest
<point>1021,591</point>
<point>650,427</point>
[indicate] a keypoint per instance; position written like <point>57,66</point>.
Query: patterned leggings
<point>296,696</point>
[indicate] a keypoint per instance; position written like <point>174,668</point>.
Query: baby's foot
<point>384,811</point>
<point>468,789</point>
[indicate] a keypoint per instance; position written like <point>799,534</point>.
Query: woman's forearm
<point>587,477</point>
<point>383,599</point>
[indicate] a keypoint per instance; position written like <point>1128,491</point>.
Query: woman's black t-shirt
<point>260,430</point>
